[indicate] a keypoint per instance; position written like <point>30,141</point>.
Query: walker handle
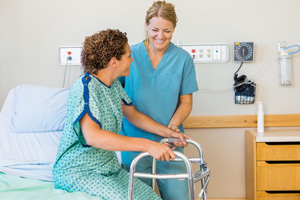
<point>171,140</point>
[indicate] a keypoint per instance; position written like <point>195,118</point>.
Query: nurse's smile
<point>159,41</point>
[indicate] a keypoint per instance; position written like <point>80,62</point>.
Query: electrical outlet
<point>208,53</point>
<point>70,55</point>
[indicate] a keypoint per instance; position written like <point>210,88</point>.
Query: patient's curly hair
<point>100,48</point>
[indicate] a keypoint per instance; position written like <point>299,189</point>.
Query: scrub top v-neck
<point>149,63</point>
<point>155,92</point>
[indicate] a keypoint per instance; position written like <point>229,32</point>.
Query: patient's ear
<point>113,62</point>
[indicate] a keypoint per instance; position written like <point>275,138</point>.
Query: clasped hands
<point>175,133</point>
<point>162,151</point>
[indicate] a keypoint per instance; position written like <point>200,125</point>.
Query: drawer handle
<point>283,143</point>
<point>285,192</point>
<point>284,162</point>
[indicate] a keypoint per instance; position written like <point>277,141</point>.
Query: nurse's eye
<point>154,30</point>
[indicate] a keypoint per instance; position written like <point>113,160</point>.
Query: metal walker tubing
<point>204,177</point>
<point>204,171</point>
<point>188,175</point>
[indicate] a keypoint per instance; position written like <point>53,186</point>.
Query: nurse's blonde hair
<point>163,10</point>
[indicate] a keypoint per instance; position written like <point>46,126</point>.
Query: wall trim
<point>241,121</point>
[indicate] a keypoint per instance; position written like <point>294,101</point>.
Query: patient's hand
<point>160,151</point>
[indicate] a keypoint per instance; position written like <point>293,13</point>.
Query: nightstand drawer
<point>278,177</point>
<point>278,151</point>
<point>278,196</point>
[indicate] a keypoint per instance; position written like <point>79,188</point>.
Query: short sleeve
<point>189,82</point>
<point>124,96</point>
<point>84,103</point>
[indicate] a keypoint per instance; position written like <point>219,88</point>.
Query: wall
<point>32,31</point>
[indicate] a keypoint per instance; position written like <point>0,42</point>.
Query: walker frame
<point>203,174</point>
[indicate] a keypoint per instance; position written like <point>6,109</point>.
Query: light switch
<point>216,52</point>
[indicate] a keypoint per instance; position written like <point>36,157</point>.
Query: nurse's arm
<point>182,112</point>
<point>146,123</point>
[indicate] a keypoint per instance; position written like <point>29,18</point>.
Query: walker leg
<point>153,172</point>
<point>203,192</point>
<point>131,187</point>
<point>192,190</point>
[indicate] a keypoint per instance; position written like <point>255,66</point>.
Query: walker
<point>203,174</point>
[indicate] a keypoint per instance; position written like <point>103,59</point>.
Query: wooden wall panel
<point>241,121</point>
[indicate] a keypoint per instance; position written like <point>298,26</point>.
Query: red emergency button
<point>69,52</point>
<point>193,50</point>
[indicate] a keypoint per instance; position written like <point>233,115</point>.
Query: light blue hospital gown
<point>83,168</point>
<point>156,94</point>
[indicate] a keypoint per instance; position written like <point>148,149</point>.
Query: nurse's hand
<point>182,142</point>
<point>181,136</point>
<point>175,133</point>
<point>160,151</point>
<point>174,128</point>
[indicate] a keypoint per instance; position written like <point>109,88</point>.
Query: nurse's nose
<point>160,34</point>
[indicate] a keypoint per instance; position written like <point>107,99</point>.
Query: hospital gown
<point>83,168</point>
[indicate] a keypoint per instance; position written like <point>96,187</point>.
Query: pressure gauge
<point>243,51</point>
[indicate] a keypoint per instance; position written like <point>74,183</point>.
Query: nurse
<point>161,83</point>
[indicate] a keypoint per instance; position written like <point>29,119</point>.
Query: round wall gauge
<point>243,51</point>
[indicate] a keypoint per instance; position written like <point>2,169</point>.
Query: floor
<point>226,199</point>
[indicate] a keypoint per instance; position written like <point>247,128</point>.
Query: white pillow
<point>38,109</point>
<point>28,154</point>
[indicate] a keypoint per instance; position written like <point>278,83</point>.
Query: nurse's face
<point>160,32</point>
<point>124,63</point>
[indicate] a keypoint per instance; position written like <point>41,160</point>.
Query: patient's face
<point>124,63</point>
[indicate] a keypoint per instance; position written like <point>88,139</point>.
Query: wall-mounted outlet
<point>70,55</point>
<point>208,53</point>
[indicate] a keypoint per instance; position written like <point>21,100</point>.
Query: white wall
<point>32,31</point>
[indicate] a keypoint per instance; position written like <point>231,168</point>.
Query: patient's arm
<point>148,124</point>
<point>97,137</point>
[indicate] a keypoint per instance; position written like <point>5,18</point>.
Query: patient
<point>86,160</point>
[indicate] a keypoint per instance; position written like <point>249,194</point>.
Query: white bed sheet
<point>28,155</point>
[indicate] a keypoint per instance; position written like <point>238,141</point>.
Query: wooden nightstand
<point>273,165</point>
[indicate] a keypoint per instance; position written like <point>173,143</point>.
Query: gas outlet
<point>70,55</point>
<point>208,53</point>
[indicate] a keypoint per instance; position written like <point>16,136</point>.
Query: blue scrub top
<point>156,92</point>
